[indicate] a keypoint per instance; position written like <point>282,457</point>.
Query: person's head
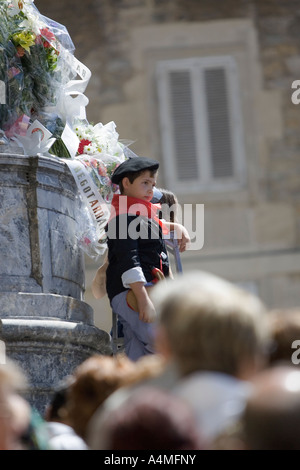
<point>169,205</point>
<point>14,409</point>
<point>136,177</point>
<point>94,380</point>
<point>207,323</point>
<point>57,408</point>
<point>139,185</point>
<point>271,419</point>
<point>150,419</point>
<point>284,328</point>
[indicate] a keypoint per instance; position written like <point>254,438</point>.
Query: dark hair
<point>170,200</point>
<point>152,419</point>
<point>133,175</point>
<point>59,399</point>
<point>58,402</point>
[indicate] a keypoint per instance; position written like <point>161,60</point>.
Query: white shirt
<point>216,399</point>
<point>63,437</point>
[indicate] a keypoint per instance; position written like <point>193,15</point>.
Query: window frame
<point>196,67</point>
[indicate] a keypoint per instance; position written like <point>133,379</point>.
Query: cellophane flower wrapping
<point>33,67</point>
<point>86,234</point>
<point>101,152</point>
<point>38,70</point>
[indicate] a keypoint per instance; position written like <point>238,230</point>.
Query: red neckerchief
<point>134,206</point>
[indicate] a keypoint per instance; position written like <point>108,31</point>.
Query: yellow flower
<point>25,39</point>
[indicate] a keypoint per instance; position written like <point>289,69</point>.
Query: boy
<point>136,252</point>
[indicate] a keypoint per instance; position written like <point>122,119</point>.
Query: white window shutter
<point>184,132</point>
<point>219,131</point>
<point>201,123</point>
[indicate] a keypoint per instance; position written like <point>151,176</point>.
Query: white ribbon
<point>71,102</point>
<point>81,70</point>
<point>70,140</point>
<point>36,141</point>
<point>98,208</point>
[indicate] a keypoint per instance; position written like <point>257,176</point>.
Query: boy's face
<point>142,187</point>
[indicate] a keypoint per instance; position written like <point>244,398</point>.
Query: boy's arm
<point>145,306</point>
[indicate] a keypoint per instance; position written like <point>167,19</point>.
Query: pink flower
<point>102,170</point>
<point>93,162</point>
<point>13,72</point>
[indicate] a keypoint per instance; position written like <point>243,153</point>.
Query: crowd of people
<point>205,364</point>
<point>221,377</point>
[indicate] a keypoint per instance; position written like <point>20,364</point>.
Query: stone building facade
<point>205,87</point>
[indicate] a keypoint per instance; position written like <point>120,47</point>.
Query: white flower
<point>21,4</point>
<point>107,138</point>
<point>18,5</point>
<point>32,21</point>
<point>90,149</point>
<point>103,139</point>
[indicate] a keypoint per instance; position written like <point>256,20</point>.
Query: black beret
<point>133,165</point>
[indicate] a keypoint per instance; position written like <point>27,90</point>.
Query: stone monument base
<point>45,325</point>
<point>48,335</point>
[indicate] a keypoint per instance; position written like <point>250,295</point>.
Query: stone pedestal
<point>45,323</point>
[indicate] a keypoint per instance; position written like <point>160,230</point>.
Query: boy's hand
<point>181,234</point>
<point>146,311</point>
<point>183,237</point>
<point>145,306</point>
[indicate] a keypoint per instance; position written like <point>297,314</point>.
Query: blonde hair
<point>12,376</point>
<point>210,324</point>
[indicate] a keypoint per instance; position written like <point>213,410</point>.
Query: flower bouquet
<point>101,152</point>
<point>98,154</point>
<point>42,88</point>
<point>33,68</point>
